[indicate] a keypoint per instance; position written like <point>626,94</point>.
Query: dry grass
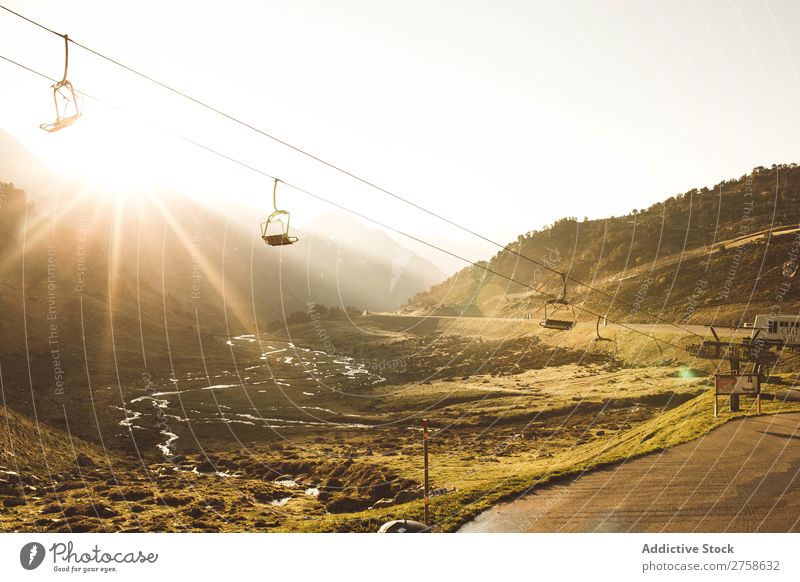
<point>504,480</point>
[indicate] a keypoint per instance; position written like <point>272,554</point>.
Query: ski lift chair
<point>550,321</point>
<point>67,104</point>
<point>275,231</point>
<point>553,308</point>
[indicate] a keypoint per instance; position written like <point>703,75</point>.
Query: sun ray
<point>234,303</point>
<point>40,224</point>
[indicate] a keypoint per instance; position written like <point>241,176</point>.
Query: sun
<point>111,156</point>
<point>108,154</point>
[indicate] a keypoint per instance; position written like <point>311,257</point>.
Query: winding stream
<point>279,386</point>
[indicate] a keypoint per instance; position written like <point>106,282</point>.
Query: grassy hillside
<point>27,446</point>
<point>709,254</point>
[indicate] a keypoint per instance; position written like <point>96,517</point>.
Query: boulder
<point>407,495</point>
<point>90,510</point>
<point>84,460</point>
<point>52,508</point>
<point>7,491</point>
<point>347,504</point>
<point>206,467</point>
<point>195,512</point>
<point>69,485</point>
<point>129,494</point>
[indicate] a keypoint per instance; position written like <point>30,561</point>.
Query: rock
<point>342,468</point>
<point>84,460</point>
<point>175,501</point>
<point>332,484</point>
<point>103,511</point>
<point>13,502</point>
<point>90,510</point>
<point>52,508</point>
<point>268,496</point>
<point>10,492</point>
<point>69,485</point>
<point>215,503</point>
<point>84,527</point>
<point>347,504</point>
<point>385,502</point>
<point>195,512</point>
<point>129,495</point>
<point>206,467</point>
<point>407,495</point>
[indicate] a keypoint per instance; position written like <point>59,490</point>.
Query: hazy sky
<point>503,115</point>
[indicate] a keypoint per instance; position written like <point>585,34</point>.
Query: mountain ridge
<point>721,250</point>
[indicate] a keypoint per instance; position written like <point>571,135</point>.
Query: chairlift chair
<point>279,220</point>
<point>560,304</point>
<point>67,104</point>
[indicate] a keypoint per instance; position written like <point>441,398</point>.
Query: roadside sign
<point>734,385</point>
<point>738,384</point>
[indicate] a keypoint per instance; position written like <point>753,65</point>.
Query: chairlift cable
<point>350,174</point>
<point>355,212</point>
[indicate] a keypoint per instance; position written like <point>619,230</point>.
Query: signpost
<point>734,385</point>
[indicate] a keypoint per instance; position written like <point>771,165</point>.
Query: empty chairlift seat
<point>559,314</point>
<point>275,231</point>
<point>67,104</point>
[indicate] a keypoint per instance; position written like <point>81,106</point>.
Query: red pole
<point>425,456</point>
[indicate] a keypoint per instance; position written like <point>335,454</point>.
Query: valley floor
<point>317,428</point>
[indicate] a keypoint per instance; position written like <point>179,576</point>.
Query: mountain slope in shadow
<point>101,293</point>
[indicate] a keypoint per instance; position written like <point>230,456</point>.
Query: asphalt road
<point>741,477</point>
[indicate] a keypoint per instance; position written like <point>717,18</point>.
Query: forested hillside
<point>720,253</point>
